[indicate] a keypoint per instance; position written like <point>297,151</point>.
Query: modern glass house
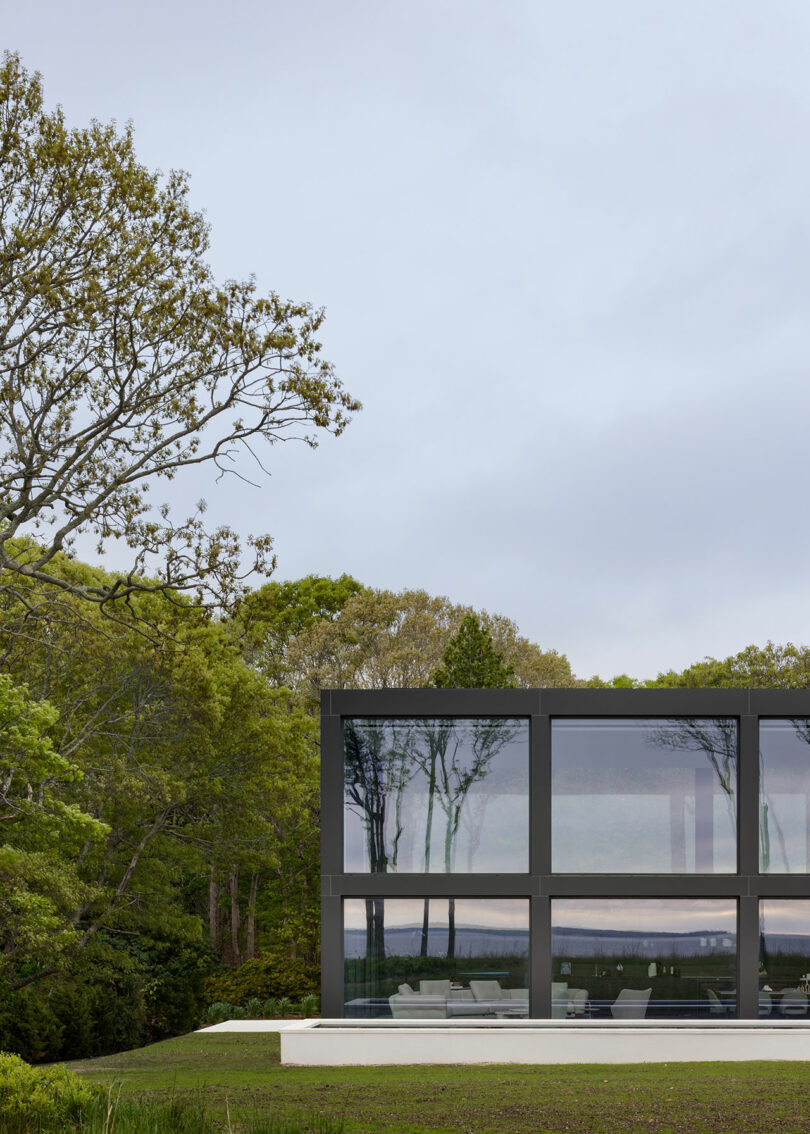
<point>568,853</point>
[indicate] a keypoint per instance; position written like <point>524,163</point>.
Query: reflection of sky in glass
<point>493,927</point>
<point>646,915</point>
<point>644,796</point>
<point>784,796</point>
<point>433,795</point>
<point>789,915</point>
<point>484,913</point>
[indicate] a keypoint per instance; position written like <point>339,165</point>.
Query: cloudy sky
<point>563,248</point>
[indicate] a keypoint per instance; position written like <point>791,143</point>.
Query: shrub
<point>29,1025</point>
<point>270,1009</point>
<point>172,993</point>
<point>41,1098</point>
<point>219,1012</point>
<point>254,1008</point>
<point>270,975</point>
<point>309,1005</point>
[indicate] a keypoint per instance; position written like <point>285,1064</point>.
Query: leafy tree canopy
<point>472,662</point>
<point>270,617</point>
<point>386,640</point>
<point>755,667</point>
<point>123,362</point>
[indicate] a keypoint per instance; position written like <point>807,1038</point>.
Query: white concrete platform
<point>255,1025</point>
<point>386,1042</point>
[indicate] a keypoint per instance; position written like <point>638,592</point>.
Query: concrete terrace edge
<point>336,1043</point>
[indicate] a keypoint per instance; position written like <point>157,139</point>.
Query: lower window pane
<point>630,958</point>
<point>784,957</point>
<point>436,958</point>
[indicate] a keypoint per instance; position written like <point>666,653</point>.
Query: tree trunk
<point>233,883</point>
<point>250,941</point>
<point>213,910</point>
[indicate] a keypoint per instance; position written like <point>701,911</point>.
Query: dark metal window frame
<point>539,885</point>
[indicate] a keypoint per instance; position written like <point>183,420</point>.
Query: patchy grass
<point>675,1098</point>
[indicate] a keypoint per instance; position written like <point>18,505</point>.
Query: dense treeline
<point>159,787</point>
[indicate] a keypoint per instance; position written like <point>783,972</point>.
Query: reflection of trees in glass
<point>375,777</point>
<point>451,767</point>
<point>372,774</point>
<point>435,735</point>
<point>768,816</point>
<point>716,738</point>
<point>446,757</point>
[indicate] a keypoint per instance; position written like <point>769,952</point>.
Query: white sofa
<point>437,1000</point>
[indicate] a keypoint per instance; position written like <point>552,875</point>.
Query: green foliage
<point>382,640</point>
<point>123,360</point>
<point>38,886</point>
<point>218,1012</point>
<point>271,975</point>
<point>117,1115</point>
<point>40,1098</point>
<point>254,1008</point>
<point>30,1025</point>
<point>173,991</point>
<point>270,617</point>
<point>768,667</point>
<point>53,1100</point>
<point>93,1012</point>
<point>756,667</point>
<point>310,1005</point>
<point>471,661</point>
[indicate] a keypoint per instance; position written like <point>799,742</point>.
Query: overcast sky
<point>563,248</point>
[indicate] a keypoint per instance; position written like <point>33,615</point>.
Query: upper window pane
<point>641,796</point>
<point>436,795</point>
<point>784,796</point>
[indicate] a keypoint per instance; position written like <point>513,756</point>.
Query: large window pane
<point>784,800</point>
<point>784,957</point>
<point>436,958</point>
<point>630,958</point>
<point>436,795</point>
<point>642,796</point>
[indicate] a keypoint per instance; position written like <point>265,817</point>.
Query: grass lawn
<point>497,1099</point>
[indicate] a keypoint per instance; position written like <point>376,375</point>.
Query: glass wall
<point>784,957</point>
<point>642,796</point>
<point>436,795</point>
<point>630,958</point>
<point>436,958</point>
<point>784,798</point>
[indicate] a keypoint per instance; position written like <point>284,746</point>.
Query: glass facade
<point>579,854</point>
<point>632,958</point>
<point>436,795</point>
<point>436,958</point>
<point>784,796</point>
<point>634,796</point>
<point>784,958</point>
